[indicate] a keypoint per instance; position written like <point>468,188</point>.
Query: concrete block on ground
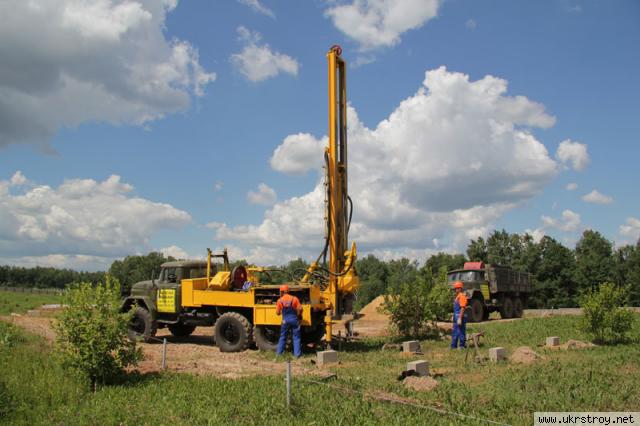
<point>327,357</point>
<point>33,313</point>
<point>411,346</point>
<point>497,354</point>
<point>553,341</point>
<point>420,367</point>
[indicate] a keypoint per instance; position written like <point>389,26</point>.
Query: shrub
<point>92,333</point>
<point>416,301</point>
<point>603,317</point>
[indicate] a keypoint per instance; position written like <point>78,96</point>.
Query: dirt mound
<point>577,344</point>
<point>524,355</point>
<point>371,313</point>
<point>420,383</point>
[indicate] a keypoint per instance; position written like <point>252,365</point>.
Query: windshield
<point>466,276</point>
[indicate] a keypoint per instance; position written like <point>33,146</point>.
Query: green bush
<point>416,301</point>
<point>604,318</point>
<point>92,333</point>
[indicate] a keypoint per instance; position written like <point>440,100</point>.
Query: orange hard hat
<point>284,288</point>
<point>458,284</point>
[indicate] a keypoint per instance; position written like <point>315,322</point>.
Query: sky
<point>130,126</point>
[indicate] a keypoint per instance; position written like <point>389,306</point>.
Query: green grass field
<point>34,390</point>
<point>22,302</point>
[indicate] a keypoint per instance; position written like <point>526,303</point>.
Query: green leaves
<point>604,318</point>
<point>417,299</point>
<point>92,333</point>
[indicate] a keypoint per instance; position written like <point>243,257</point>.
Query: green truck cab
<point>156,302</point>
<point>492,288</point>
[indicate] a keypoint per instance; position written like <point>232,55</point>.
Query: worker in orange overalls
<point>459,334</point>
<point>290,308</point>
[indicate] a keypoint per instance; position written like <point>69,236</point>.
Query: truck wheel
<point>181,330</point>
<point>142,325</point>
<point>506,310</point>
<point>518,309</point>
<point>267,337</point>
<point>233,332</point>
<point>477,310</point>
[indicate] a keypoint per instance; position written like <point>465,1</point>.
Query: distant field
<point>21,302</point>
<point>34,390</point>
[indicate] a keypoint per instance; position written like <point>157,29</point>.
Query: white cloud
<point>568,222</point>
<point>471,24</point>
<point>597,198</point>
<point>257,62</point>
<point>380,23</point>
<point>81,217</point>
<point>258,7</point>
<point>444,166</point>
<point>175,252</point>
<point>572,186</point>
<point>265,195</point>
<point>298,154</point>
<point>631,228</point>
<point>66,62</point>
<point>218,186</point>
<point>18,179</point>
<point>574,153</point>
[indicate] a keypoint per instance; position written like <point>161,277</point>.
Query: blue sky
<point>130,126</point>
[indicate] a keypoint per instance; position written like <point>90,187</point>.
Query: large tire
<point>506,310</point>
<point>267,337</point>
<point>181,330</point>
<point>142,325</point>
<point>233,332</point>
<point>518,308</point>
<point>476,310</point>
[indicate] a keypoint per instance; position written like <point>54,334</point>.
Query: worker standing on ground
<point>459,334</point>
<point>290,308</point>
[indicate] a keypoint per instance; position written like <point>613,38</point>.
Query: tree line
<point>559,274</point>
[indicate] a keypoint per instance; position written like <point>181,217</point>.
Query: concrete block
<point>553,341</point>
<point>420,367</point>
<point>327,357</point>
<point>497,354</point>
<point>411,346</point>
<point>33,313</point>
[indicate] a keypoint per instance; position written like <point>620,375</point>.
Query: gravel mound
<point>524,355</point>
<point>420,383</point>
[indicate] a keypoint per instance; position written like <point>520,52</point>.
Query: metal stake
<point>288,380</point>
<point>164,353</point>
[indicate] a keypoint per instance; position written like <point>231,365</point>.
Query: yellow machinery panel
<point>485,291</point>
<point>242,299</point>
<point>187,289</point>
<point>167,300</point>
<point>220,281</point>
<point>266,315</point>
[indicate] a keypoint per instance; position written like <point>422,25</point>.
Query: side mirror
<point>153,275</point>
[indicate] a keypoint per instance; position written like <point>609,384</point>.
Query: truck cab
<point>492,288</point>
<point>156,302</point>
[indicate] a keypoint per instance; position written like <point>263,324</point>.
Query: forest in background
<point>560,274</point>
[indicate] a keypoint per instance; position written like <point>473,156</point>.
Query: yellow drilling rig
<point>243,310</point>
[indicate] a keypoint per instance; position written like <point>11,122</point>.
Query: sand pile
<point>524,355</point>
<point>420,383</point>
<point>371,313</point>
<point>577,344</point>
